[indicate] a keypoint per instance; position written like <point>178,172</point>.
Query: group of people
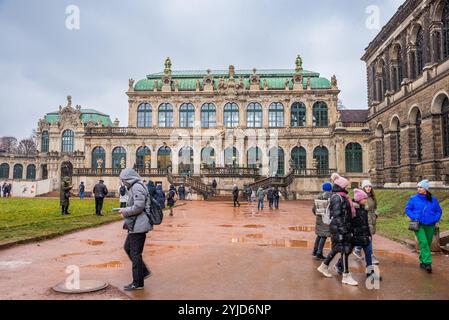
<point>6,189</point>
<point>351,225</point>
<point>167,200</point>
<point>183,191</point>
<point>272,194</point>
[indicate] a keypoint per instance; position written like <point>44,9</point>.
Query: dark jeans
<point>271,201</point>
<point>134,245</point>
<point>343,260</point>
<point>236,203</point>
<point>65,207</point>
<point>182,196</point>
<point>98,205</point>
<point>122,204</point>
<point>276,203</point>
<point>260,204</point>
<point>319,245</point>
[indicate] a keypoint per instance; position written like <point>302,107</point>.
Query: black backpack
<point>154,211</point>
<point>122,191</point>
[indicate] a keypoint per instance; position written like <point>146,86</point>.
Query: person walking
<point>276,197</point>
<point>248,193</point>
<point>138,225</point>
<point>8,190</point>
<point>123,195</point>
<point>151,188</point>
<point>171,199</point>
<point>214,186</point>
<point>100,192</point>
<point>235,195</point>
<point>65,194</point>
<point>260,198</point>
<point>182,192</point>
<point>425,209</point>
<point>322,230</point>
<point>189,193</point>
<point>342,211</point>
<point>82,189</point>
<point>371,206</point>
<point>160,196</point>
<point>270,197</point>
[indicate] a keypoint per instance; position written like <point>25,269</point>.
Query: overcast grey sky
<point>41,61</point>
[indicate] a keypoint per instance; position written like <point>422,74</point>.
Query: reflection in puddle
<point>226,225</point>
<point>286,244</point>
<point>254,226</point>
<point>302,228</point>
<point>239,240</point>
<point>92,242</point>
<point>254,236</point>
<point>398,257</point>
<point>107,265</point>
<point>71,254</point>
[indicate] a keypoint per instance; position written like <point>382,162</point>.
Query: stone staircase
<point>281,182</point>
<point>193,182</point>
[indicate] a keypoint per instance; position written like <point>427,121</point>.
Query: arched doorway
<point>185,167</point>
<point>164,158</point>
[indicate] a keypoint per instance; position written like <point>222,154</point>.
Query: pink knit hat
<point>341,182</point>
<point>359,195</point>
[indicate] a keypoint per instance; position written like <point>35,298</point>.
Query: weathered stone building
<point>408,90</point>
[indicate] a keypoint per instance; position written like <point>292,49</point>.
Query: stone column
<point>176,107</point>
<point>197,155</point>
<point>265,108</point>
<point>309,113</point>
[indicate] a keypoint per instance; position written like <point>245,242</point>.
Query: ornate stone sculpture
<point>167,70</point>
<point>298,63</point>
<point>99,163</point>
<point>131,84</point>
<point>231,72</point>
<point>122,163</point>
<point>334,81</point>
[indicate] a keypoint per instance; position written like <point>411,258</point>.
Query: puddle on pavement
<point>302,228</point>
<point>254,226</point>
<point>176,225</point>
<point>397,257</point>
<point>226,225</point>
<point>93,242</point>
<point>254,236</point>
<point>107,265</point>
<point>14,264</point>
<point>239,240</point>
<point>286,244</point>
<point>71,254</point>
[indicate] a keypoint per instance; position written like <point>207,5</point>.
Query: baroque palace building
<point>256,127</point>
<point>408,90</point>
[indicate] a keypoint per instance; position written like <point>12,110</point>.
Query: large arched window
<point>231,157</point>
<point>165,115</point>
<point>185,161</point>
<point>254,158</point>
<point>45,140</point>
<point>68,141</point>
<point>399,70</point>
<point>98,158</point>
<point>208,157</point>
<point>144,116</point>
<point>395,142</point>
<point>276,115</point>
<point>277,161</point>
<point>321,158</point>
<point>254,115</point>
<point>119,158</point>
<point>31,172</point>
<point>320,116</point>
<point>354,158</point>
<point>17,172</point>
<point>4,171</point>
<point>419,54</point>
<point>299,158</point>
<point>143,158</point>
<point>298,115</point>
<point>208,116</point>
<point>164,157</point>
<point>231,115</point>
<point>445,19</point>
<point>445,116</point>
<point>186,115</point>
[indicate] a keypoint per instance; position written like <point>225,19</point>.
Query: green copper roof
<point>275,79</point>
<point>86,116</point>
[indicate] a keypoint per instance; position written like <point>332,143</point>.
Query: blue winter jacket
<point>160,196</point>
<point>426,212</point>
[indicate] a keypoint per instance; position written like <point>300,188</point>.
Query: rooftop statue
<point>167,70</point>
<point>298,63</point>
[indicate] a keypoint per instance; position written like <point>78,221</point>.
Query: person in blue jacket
<point>160,196</point>
<point>425,209</point>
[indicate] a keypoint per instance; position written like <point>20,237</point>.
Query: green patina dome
<point>86,116</point>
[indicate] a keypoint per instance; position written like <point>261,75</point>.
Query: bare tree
<point>27,147</point>
<point>9,144</point>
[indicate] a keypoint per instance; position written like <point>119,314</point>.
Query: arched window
<point>445,116</point>
<point>144,116</point>
<point>385,82</point>
<point>254,158</point>
<point>231,115</point>
<point>299,158</point>
<point>418,137</point>
<point>446,29</point>
<point>320,117</point>
<point>18,172</point>
<point>98,158</point>
<point>164,157</point>
<point>419,58</point>
<point>185,160</point>
<point>277,161</point>
<point>399,70</point>
<point>321,157</point>
<point>276,115</point>
<point>231,157</point>
<point>395,142</point>
<point>354,158</point>
<point>165,115</point>
<point>143,158</point>
<point>208,157</point>
<point>119,158</point>
<point>68,141</point>
<point>208,116</point>
<point>4,171</point>
<point>298,115</point>
<point>45,142</point>
<point>31,172</point>
<point>186,115</point>
<point>254,115</point>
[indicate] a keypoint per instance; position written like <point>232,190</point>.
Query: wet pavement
<point>210,250</point>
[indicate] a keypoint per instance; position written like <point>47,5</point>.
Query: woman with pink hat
<point>342,211</point>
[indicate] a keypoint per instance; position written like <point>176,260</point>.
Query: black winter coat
<point>360,227</point>
<point>341,225</point>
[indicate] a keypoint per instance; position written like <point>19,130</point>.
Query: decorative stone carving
<point>167,70</point>
<point>334,82</point>
<point>131,84</point>
<point>298,64</point>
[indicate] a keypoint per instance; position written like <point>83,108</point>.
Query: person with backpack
<point>235,195</point>
<point>160,196</point>
<point>322,230</point>
<point>151,188</point>
<point>123,195</point>
<point>424,212</point>
<point>260,198</point>
<point>138,224</point>
<point>82,189</point>
<point>100,192</point>
<point>171,199</point>
<point>276,197</point>
<point>342,211</point>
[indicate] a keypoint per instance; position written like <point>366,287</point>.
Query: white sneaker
<point>349,280</point>
<point>374,260</point>
<point>358,254</point>
<point>324,270</point>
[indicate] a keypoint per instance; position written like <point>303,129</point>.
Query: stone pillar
<point>309,113</point>
<point>197,155</point>
<point>175,115</point>
<point>310,148</point>
<point>265,108</point>
<point>155,116</point>
<point>175,160</point>
<point>340,161</point>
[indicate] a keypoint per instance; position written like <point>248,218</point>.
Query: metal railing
<point>115,172</point>
<point>229,172</point>
<point>314,172</point>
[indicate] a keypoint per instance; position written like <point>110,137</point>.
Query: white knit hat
<point>366,183</point>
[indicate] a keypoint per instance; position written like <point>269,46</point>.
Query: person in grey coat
<point>260,194</point>
<point>322,230</point>
<point>138,225</point>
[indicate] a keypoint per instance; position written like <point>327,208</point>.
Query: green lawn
<point>393,223</point>
<point>24,219</point>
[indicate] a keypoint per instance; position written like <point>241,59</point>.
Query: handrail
<point>115,172</point>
